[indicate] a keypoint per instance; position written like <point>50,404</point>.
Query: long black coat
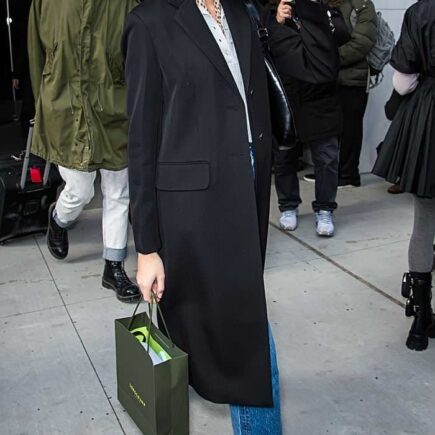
<point>193,195</point>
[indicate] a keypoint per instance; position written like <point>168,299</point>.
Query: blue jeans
<point>261,421</point>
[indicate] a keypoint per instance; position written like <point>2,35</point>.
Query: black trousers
<point>353,102</point>
<point>325,159</point>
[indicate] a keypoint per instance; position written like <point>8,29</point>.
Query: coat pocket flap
<point>186,176</point>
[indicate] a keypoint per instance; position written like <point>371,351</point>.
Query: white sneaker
<point>289,220</point>
<point>324,223</point>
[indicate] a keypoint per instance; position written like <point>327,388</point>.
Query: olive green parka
<point>354,69</point>
<point>78,83</point>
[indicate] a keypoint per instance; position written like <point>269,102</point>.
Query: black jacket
<point>315,105</point>
<point>193,195</point>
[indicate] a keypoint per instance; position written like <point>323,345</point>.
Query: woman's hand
<point>284,12</point>
<point>150,276</point>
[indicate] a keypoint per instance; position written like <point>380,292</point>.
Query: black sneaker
<point>57,237</point>
<point>115,278</point>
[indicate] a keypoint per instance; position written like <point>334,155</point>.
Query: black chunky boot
<point>116,279</point>
<point>57,237</point>
<point>417,288</point>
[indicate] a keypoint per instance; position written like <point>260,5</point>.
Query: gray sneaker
<point>289,220</point>
<point>324,223</point>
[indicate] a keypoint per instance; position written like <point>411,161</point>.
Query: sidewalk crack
<point>339,266</point>
<point>79,337</point>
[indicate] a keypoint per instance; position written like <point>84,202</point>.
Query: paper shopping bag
<point>152,375</point>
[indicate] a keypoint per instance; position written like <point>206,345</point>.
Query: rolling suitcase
<point>28,185</point>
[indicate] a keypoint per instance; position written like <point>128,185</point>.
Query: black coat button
<point>251,92</point>
<point>261,136</point>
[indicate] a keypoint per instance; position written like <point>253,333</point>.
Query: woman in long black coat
<point>200,215</point>
<point>408,155</point>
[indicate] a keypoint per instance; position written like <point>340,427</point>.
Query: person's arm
<point>144,108</point>
<point>310,53</point>
<point>363,36</point>
<point>35,48</point>
<point>404,84</point>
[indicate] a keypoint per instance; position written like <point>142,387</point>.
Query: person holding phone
<point>200,148</point>
<point>317,116</point>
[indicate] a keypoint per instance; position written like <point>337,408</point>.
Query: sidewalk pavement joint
<point>339,266</point>
<point>80,338</point>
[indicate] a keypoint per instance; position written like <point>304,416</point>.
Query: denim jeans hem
<point>111,254</point>
<point>283,208</point>
<point>61,224</point>
<point>249,420</point>
<point>327,206</point>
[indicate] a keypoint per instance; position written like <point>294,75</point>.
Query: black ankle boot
<point>57,237</point>
<point>417,287</point>
<point>116,279</point>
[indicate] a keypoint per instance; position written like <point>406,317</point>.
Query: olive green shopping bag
<point>152,376</point>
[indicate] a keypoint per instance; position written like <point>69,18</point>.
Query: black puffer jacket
<point>316,106</point>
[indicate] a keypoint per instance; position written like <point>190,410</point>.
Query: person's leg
<point>353,102</point>
<point>287,187</point>
<point>420,253</point>
<point>325,158</point>
<point>114,186</point>
<point>417,284</point>
<point>78,191</point>
<point>261,421</point>
<point>286,179</point>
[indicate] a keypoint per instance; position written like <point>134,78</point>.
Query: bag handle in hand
<point>150,314</point>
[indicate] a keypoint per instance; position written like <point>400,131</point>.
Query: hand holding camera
<point>284,11</point>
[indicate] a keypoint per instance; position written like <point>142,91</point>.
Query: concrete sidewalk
<point>334,306</point>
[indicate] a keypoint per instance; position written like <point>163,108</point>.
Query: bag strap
<point>150,314</point>
<point>262,32</point>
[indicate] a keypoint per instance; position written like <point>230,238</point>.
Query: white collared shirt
<point>226,44</point>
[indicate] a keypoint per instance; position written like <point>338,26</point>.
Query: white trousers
<point>79,191</point>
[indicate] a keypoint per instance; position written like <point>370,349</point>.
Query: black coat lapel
<point>241,30</point>
<point>190,19</point>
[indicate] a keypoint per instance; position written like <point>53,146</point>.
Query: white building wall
<point>375,123</point>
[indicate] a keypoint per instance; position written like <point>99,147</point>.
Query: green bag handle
<point>150,315</point>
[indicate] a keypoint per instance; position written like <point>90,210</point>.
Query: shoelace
<point>58,232</point>
<point>290,213</point>
<point>324,217</point>
<point>121,276</point>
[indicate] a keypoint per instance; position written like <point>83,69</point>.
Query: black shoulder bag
<point>283,126</point>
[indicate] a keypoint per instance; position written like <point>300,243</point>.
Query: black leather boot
<point>417,288</point>
<point>57,237</point>
<point>116,279</point>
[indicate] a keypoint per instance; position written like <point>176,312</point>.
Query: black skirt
<point>408,153</point>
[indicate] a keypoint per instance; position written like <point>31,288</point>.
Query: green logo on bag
<point>136,394</point>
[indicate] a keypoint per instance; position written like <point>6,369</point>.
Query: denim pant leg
<point>114,186</point>
<point>325,158</point>
<point>77,193</point>
<point>286,179</point>
<point>261,421</point>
